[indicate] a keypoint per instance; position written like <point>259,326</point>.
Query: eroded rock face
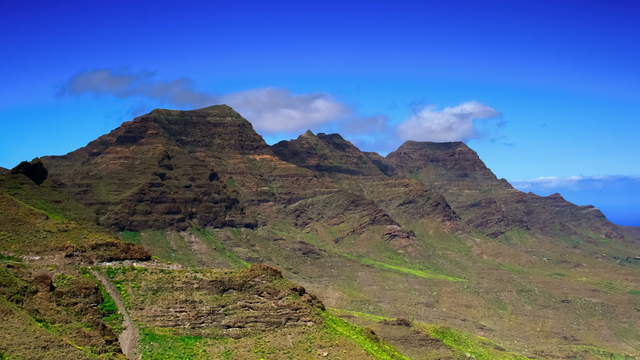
<point>340,208</point>
<point>162,170</point>
<point>399,238</point>
<point>34,170</point>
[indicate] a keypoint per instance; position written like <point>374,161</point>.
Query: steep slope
<point>174,169</point>
<point>490,204</point>
<point>364,174</point>
<point>25,229</point>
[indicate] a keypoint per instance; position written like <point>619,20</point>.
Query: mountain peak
<point>453,159</point>
<point>326,153</point>
<point>216,128</point>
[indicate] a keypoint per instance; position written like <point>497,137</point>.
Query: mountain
<point>490,204</point>
<point>171,169</point>
<point>326,153</point>
<point>173,214</point>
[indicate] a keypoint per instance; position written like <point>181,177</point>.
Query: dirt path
<point>129,337</point>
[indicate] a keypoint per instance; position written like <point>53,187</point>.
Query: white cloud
<point>275,110</point>
<point>547,182</point>
<point>449,124</point>
<point>269,109</point>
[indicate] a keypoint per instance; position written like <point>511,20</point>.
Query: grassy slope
<point>512,289</point>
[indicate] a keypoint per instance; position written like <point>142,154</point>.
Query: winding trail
<point>128,338</point>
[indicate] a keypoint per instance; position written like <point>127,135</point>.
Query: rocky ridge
<point>209,168</point>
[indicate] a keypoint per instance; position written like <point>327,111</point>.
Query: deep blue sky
<point>564,77</point>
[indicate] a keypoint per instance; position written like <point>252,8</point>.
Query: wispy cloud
<point>269,109</point>
<point>277,111</point>
<point>274,110</point>
<point>574,183</point>
<point>122,84</point>
<point>456,123</point>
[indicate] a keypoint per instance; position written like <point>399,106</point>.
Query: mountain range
<point>187,223</point>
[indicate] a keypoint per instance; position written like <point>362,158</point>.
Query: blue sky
<point>538,88</point>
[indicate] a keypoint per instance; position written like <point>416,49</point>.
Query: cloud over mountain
<point>574,183</point>
<point>273,110</point>
<point>106,82</point>
<point>279,111</point>
<point>454,123</point>
<point>270,109</point>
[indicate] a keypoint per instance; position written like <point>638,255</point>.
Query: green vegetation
<point>161,344</point>
<point>111,316</point>
<point>512,268</point>
<point>167,246</point>
<point>4,257</point>
<point>114,275</point>
<point>210,239</point>
<point>515,236</point>
<point>634,292</point>
<point>199,247</point>
<point>475,346</point>
<point>371,317</point>
<point>388,254</point>
<point>131,237</point>
<point>422,273</point>
<point>367,341</point>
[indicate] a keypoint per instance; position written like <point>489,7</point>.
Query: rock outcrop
<point>34,170</point>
